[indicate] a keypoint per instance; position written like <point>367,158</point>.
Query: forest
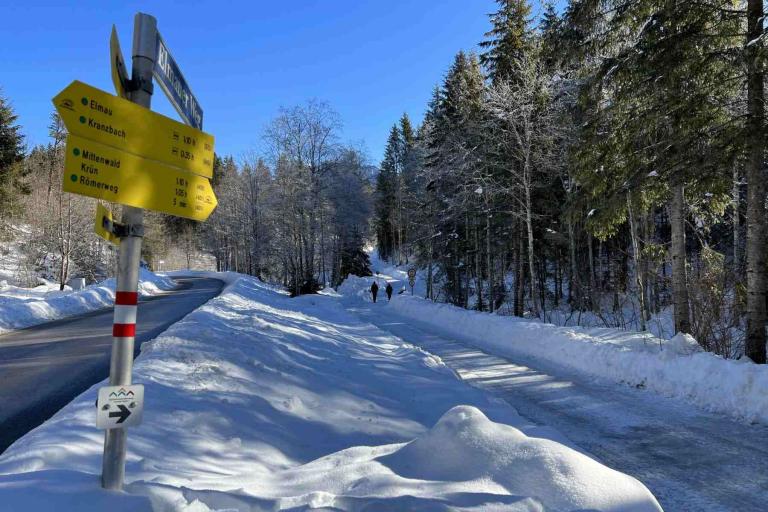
<point>600,165</point>
<point>604,165</point>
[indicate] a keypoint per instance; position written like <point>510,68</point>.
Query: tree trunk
<point>756,278</point>
<point>467,266</point>
<point>488,260</point>
<point>592,284</point>
<point>430,295</point>
<point>478,268</point>
<point>645,267</point>
<point>738,256</point>
<point>519,275</point>
<point>529,229</point>
<point>322,247</point>
<point>636,257</point>
<point>678,252</point>
<point>572,284</point>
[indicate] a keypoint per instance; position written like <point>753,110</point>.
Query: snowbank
<point>256,401</point>
<point>396,274</point>
<point>25,307</point>
<point>466,446</point>
<point>671,367</point>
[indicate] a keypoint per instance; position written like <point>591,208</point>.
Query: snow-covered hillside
<point>261,402</point>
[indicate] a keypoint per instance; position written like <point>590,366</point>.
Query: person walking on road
<point>374,290</point>
<point>389,291</point>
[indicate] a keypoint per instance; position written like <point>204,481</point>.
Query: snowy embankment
<point>25,307</point>
<point>676,367</point>
<point>256,401</point>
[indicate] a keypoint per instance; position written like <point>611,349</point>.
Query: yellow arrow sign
<point>102,226</point>
<point>96,170</point>
<point>107,119</point>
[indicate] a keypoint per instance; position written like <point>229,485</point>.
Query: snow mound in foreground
<point>465,462</point>
<point>465,445</point>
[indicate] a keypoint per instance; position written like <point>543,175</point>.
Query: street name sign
<point>103,172</point>
<point>119,72</point>
<point>103,224</point>
<point>120,406</point>
<point>168,75</point>
<point>107,119</point>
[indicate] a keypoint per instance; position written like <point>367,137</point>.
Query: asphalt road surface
<point>43,368</point>
<point>690,459</point>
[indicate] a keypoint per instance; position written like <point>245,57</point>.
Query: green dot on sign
<point>76,152</point>
<point>84,101</point>
<point>82,119</point>
<point>73,177</point>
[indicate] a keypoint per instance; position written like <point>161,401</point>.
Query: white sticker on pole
<point>120,406</point>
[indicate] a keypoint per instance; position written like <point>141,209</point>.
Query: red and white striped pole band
<point>125,314</point>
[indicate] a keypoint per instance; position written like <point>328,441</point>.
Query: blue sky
<point>371,60</point>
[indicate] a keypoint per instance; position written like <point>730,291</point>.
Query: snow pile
<point>359,287</point>
<point>683,345</point>
<point>676,367</point>
<point>256,401</point>
<point>466,446</point>
<point>25,307</point>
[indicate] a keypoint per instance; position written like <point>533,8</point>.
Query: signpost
<point>107,119</point>
<point>412,278</point>
<point>120,151</point>
<point>120,406</point>
<point>95,170</point>
<point>175,86</point>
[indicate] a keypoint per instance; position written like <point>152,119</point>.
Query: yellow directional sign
<point>96,170</point>
<point>101,117</point>
<point>103,224</point>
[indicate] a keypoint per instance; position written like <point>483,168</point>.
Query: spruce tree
<point>508,40</point>
<point>662,136</point>
<point>550,35</point>
<point>407,185</point>
<point>407,133</point>
<point>11,156</point>
<point>386,197</point>
<point>353,258</point>
<point>454,156</point>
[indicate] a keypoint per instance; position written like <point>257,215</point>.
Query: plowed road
<point>44,367</point>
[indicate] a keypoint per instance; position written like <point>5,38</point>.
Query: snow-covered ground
<point>25,307</point>
<point>261,402</point>
<point>676,367</point>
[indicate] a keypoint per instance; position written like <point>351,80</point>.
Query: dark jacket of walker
<point>389,291</point>
<point>374,290</point>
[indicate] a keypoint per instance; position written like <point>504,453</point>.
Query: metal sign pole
<point>126,296</point>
